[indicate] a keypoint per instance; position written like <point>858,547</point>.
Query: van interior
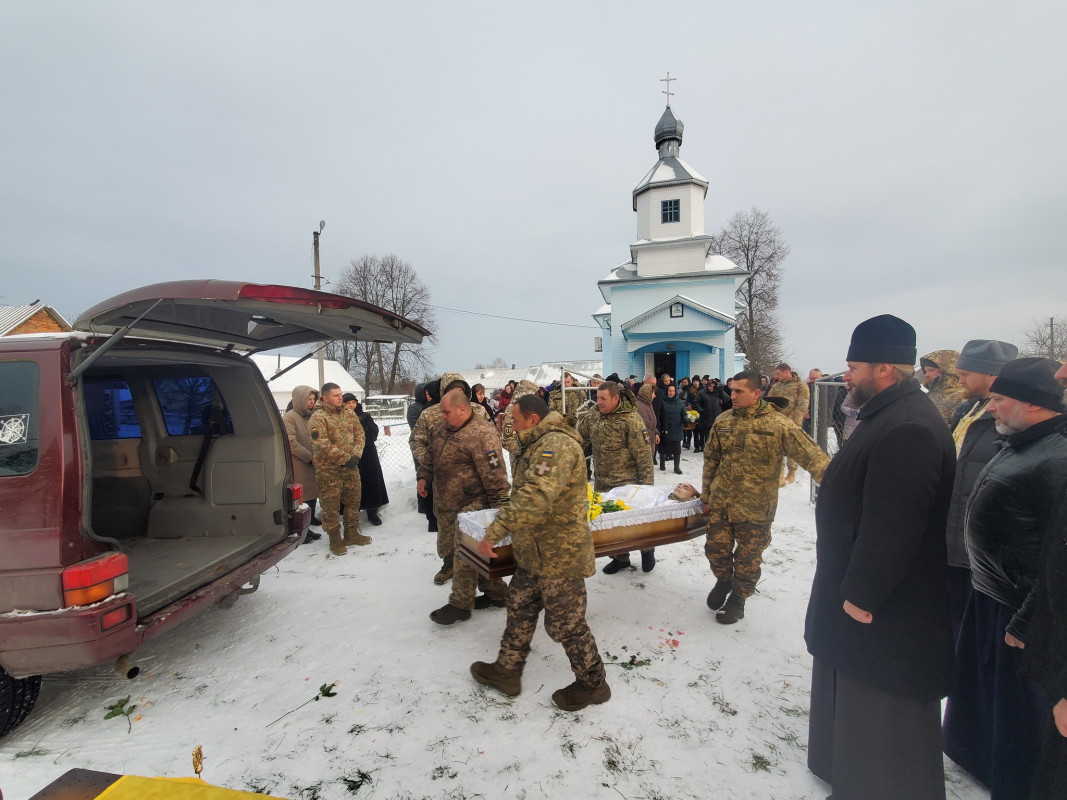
<point>187,463</point>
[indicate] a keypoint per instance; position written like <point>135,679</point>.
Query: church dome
<point>669,127</point>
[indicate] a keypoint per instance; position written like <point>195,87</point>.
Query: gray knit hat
<point>986,356</point>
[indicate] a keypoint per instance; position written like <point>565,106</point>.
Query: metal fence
<point>829,422</point>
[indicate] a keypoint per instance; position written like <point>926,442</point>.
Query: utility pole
<point>318,286</point>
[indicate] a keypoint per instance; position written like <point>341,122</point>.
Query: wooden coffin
<point>606,542</point>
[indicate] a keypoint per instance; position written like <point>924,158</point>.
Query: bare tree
<point>1047,339</point>
<point>395,286</point>
<point>754,243</point>
<point>496,363</point>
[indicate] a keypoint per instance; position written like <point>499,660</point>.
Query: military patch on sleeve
<point>645,434</point>
<point>544,463</point>
<point>314,433</point>
<point>493,459</point>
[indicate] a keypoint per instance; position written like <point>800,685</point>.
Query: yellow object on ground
<point>133,787</point>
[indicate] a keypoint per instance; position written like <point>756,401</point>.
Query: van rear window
<point>19,417</point>
<point>109,408</point>
<point>187,405</point>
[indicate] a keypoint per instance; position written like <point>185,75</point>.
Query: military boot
<point>444,575</point>
<point>336,545</point>
<point>577,696</point>
<point>508,681</point>
<point>355,537</point>
<point>448,614</point>
<point>733,611</point>
<point>717,595</point>
<point>791,476</point>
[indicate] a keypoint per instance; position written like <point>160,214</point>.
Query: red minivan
<point>144,470</point>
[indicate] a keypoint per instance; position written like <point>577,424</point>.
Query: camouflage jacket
<point>546,515</point>
<point>574,400</point>
<point>508,437</point>
<point>465,467</point>
<point>797,393</point>
<point>336,436</point>
<point>743,462</point>
<point>419,440</point>
<point>944,391</point>
<point>621,447</point>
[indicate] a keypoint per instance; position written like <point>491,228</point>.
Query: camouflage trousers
<point>735,551</point>
<point>465,579</point>
<point>563,600</point>
<point>337,486</point>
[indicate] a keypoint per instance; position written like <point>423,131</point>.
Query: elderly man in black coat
<point>993,722</point>
<point>878,622</point>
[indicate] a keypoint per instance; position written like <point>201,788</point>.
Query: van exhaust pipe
<point>125,667</point>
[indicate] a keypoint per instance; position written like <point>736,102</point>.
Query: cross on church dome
<point>667,91</point>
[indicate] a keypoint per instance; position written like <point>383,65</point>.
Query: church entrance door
<point>664,362</point>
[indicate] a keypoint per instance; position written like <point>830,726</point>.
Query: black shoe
<point>372,516</point>
<point>677,470</point>
<point>312,537</point>
<point>648,560</point>
<point>732,611</point>
<point>316,521</point>
<point>447,614</point>
<point>485,601</point>
<point>615,565</point>
<point>432,527</point>
<point>717,595</point>
<point>662,467</point>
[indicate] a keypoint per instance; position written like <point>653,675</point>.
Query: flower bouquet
<point>692,417</point>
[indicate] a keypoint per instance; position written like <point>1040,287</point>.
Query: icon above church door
<point>677,309</point>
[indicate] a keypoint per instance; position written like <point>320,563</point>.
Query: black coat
<point>374,493</point>
<point>880,543</point>
<point>672,420</point>
<point>709,404</point>
<point>979,446</point>
<point>1009,511</point>
<point>1045,656</point>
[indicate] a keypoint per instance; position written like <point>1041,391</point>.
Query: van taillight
<point>96,579</point>
<point>296,495</point>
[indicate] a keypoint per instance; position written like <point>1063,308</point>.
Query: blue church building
<point>671,307</point>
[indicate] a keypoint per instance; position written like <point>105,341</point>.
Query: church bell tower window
<point>670,211</point>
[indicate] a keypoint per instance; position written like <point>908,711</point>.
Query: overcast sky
<point>910,152</point>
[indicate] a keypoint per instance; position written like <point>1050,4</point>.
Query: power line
<point>515,319</point>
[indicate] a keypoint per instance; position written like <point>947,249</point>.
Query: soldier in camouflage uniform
<point>466,468</point>
<point>553,549</point>
<point>742,464</point>
<point>419,442</point>
<point>337,438</point>
<point>508,437</point>
<point>622,452</point>
<point>789,386</point>
<point>574,399</point>
<point>941,381</point>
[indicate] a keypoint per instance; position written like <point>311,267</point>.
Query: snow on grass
<point>698,709</point>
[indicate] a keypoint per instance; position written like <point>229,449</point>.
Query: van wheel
<point>17,699</point>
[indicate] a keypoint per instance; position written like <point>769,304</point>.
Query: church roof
<point>679,298</point>
<point>669,171</point>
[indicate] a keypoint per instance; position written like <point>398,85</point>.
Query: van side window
<point>19,417</point>
<point>186,404</point>
<point>109,408</point>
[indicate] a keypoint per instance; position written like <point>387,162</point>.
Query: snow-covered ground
<point>698,709</point>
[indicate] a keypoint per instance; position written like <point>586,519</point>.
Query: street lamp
<point>320,345</point>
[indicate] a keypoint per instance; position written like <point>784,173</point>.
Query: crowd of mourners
<point>941,534</point>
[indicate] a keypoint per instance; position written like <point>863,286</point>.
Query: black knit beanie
<point>883,340</point>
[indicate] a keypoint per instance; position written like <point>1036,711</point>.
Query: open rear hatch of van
<point>188,460</point>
